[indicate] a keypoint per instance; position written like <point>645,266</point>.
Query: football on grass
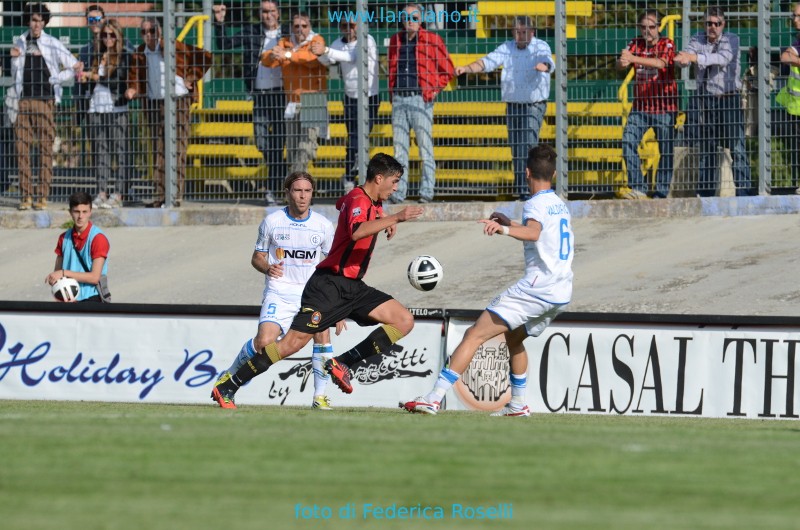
<point>424,272</point>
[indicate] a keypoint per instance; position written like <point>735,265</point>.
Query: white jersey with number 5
<point>548,261</point>
<point>299,243</point>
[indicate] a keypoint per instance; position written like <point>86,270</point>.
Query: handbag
<point>102,285</point>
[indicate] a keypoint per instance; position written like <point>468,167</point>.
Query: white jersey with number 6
<point>548,261</point>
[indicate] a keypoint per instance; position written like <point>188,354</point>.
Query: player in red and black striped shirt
<point>655,103</point>
<point>336,290</point>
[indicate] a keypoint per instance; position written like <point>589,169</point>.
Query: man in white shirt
<point>527,64</point>
<point>146,78</point>
<point>40,66</point>
<point>527,307</point>
<point>291,242</point>
<point>344,52</point>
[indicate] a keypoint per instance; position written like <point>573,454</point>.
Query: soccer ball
<point>66,289</point>
<point>424,272</point>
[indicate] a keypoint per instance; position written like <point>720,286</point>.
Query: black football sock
<point>377,343</point>
<point>258,364</point>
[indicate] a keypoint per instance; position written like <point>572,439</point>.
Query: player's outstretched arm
<point>528,232</point>
<point>370,228</point>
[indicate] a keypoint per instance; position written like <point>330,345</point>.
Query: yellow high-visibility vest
<point>789,96</point>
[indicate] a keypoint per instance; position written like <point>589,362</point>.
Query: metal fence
<point>273,99</point>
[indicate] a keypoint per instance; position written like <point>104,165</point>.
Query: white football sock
<point>519,386</point>
<point>321,353</point>
<point>247,352</point>
<point>447,378</point>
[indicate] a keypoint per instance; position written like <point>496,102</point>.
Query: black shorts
<point>328,298</point>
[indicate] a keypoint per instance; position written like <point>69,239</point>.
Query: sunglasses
<point>94,20</point>
<point>151,31</point>
<point>109,35</point>
<point>709,23</point>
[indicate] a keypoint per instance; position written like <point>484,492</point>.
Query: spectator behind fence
<point>788,126</point>
<point>344,52</point>
<point>655,104</point>
<point>302,74</point>
<point>419,68</point>
<point>527,64</point>
<point>107,81</point>
<point>146,80</point>
<point>40,65</point>
<point>95,16</point>
<point>716,54</point>
<point>265,86</point>
<point>82,251</point>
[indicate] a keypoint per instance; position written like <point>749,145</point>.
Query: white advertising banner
<point>647,369</point>
<point>576,366</point>
<point>176,359</point>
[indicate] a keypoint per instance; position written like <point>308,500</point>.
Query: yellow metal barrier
<point>198,21</point>
<point>486,11</point>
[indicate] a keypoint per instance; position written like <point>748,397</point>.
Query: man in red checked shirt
<point>336,290</point>
<point>82,251</point>
<point>655,104</point>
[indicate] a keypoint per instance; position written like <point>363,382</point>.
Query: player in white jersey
<point>291,241</point>
<point>527,307</point>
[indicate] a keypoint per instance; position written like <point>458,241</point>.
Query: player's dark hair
<point>78,198</point>
<point>95,7</point>
<point>35,8</point>
<point>298,175</point>
<point>542,162</point>
<point>383,164</point>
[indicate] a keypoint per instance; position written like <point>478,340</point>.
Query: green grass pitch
<point>77,465</point>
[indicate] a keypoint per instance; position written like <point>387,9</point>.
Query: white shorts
<point>279,309</point>
<point>518,308</point>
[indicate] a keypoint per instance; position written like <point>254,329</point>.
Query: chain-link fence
<point>640,100</point>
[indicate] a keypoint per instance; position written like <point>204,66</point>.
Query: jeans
<point>524,121</point>
<point>109,136</point>
<point>301,144</point>
<point>722,125</point>
<point>351,122</point>
<point>154,117</point>
<point>411,112</point>
<point>270,132</point>
<point>8,160</point>
<point>786,128</point>
<point>664,127</point>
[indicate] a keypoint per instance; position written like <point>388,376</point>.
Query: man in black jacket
<point>264,84</point>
